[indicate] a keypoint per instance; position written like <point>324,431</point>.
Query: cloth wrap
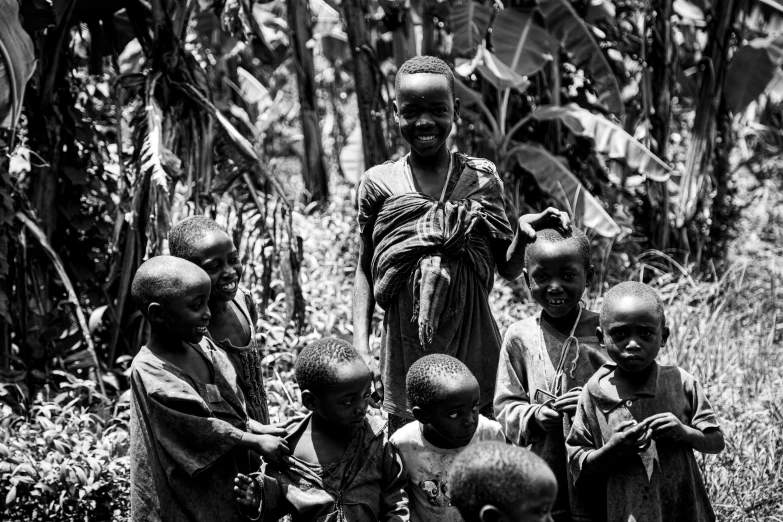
<point>433,246</point>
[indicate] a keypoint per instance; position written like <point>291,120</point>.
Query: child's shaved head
<point>425,65</point>
<point>573,236</point>
<point>641,291</point>
<point>500,475</point>
<point>184,236</point>
<point>162,279</point>
<point>428,377</point>
<point>317,363</point>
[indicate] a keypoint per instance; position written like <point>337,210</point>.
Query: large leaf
<point>751,70</point>
<point>521,43</point>
<point>469,24</point>
<point>609,138</point>
<point>576,37</point>
<point>253,91</point>
<point>558,181</point>
<point>499,74</point>
<point>17,62</point>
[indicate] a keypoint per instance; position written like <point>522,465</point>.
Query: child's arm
<point>363,306</point>
<point>510,259</point>
<point>521,420</point>
<point>394,498</point>
<point>668,426</point>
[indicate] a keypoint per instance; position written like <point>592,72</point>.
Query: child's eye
<point>453,415</point>
<point>569,277</point>
<point>645,333</point>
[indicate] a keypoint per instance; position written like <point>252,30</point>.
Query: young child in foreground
<point>203,242</point>
<point>555,351</point>
<point>188,437</point>
<point>342,466</point>
<point>433,228</point>
<point>638,423</point>
<point>444,397</point>
<point>495,482</point>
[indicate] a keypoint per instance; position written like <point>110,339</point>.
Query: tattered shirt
<point>433,269</point>
<point>660,484</point>
<point>366,485</point>
<point>531,351</point>
<point>183,436</point>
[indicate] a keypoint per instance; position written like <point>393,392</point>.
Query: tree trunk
<point>314,169</point>
<point>367,87</point>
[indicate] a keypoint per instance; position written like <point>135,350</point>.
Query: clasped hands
<point>630,436</point>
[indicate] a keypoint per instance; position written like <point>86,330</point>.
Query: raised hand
<point>550,218</point>
<point>666,426</point>
<point>549,420</point>
<point>247,495</point>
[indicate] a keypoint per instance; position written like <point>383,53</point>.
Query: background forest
<point>656,123</point>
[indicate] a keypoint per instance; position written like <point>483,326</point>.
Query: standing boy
<point>440,217</point>
<point>444,397</point>
<point>638,423</point>
<point>188,420</point>
<point>547,358</point>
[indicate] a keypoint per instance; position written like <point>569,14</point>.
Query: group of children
<point>589,427</point>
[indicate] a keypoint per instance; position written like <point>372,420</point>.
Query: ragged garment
<point>434,242</point>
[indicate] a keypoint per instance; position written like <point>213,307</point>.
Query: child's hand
<point>566,403</point>
<point>549,420</point>
<point>246,493</point>
<point>666,426</point>
<point>628,438</point>
<point>264,429</point>
<point>550,218</point>
<point>274,449</point>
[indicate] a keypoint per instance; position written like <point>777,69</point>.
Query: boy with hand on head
<point>638,422</point>
<point>188,423</point>
<point>444,397</point>
<point>547,358</point>
<point>342,466</point>
<point>494,482</point>
<point>439,216</point>
<point>203,242</point>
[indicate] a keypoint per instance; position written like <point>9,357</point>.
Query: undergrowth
<point>66,460</point>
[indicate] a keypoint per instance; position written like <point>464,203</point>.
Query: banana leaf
<point>575,36</point>
<point>520,43</point>
<point>751,70</point>
<point>609,139</point>
<point>469,24</point>
<point>17,63</point>
<point>555,178</point>
<point>499,74</point>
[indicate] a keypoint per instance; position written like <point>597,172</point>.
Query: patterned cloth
<point>662,483</point>
<point>407,226</point>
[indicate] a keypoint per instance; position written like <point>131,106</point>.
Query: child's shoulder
<point>480,164</point>
<point>381,171</point>
<point>525,330</point>
<point>407,435</point>
<point>489,430</point>
<point>675,376</point>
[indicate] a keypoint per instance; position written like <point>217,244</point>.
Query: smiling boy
<point>433,228</point>
<point>555,351</point>
<point>444,397</point>
<point>638,422</point>
<point>188,424</point>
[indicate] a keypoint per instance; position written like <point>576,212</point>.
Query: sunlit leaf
<point>17,63</point>
<point>499,74</point>
<point>520,43</point>
<point>469,24</point>
<point>609,138</point>
<point>560,183</point>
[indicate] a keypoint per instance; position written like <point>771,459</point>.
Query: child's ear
<point>309,400</point>
<point>490,513</point>
<point>420,415</point>
<point>600,334</point>
<point>456,109</point>
<point>155,313</point>
<point>590,276</point>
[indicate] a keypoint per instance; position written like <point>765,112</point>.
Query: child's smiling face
<point>216,254</point>
<point>185,313</point>
<point>453,420</point>
<point>426,111</point>
<point>344,404</point>
<point>633,333</point>
<point>557,276</point>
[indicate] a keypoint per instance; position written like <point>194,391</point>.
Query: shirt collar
<point>649,388</point>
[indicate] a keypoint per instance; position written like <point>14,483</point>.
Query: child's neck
<point>563,324</point>
<point>622,385</point>
<point>166,344</point>
<point>217,308</point>
<point>323,442</point>
<point>436,439</point>
<point>424,165</point>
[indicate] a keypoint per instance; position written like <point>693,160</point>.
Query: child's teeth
<point>201,329</point>
<point>426,138</point>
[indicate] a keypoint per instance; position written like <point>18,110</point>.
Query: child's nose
<point>207,315</point>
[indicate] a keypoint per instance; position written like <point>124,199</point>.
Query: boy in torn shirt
<point>188,428</point>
